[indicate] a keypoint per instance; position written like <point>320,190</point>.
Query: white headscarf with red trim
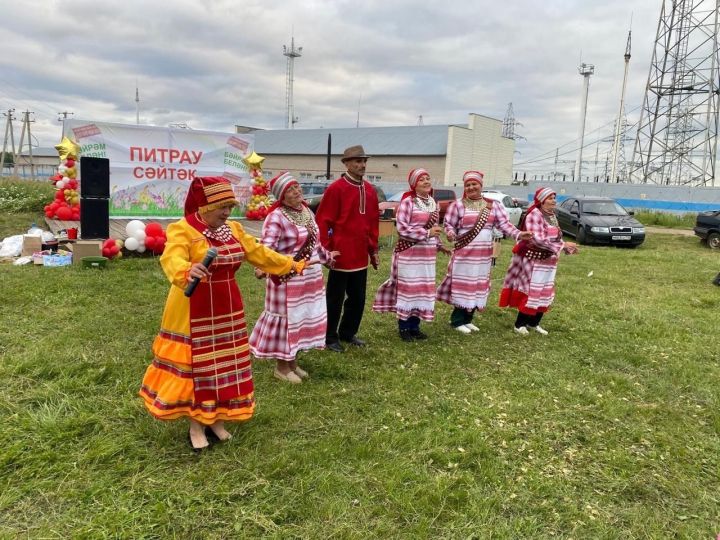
<point>476,176</point>
<point>413,178</point>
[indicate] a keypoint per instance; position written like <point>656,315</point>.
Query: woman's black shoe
<point>417,334</point>
<point>405,335</point>
<point>210,434</point>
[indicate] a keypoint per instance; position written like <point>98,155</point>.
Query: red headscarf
<point>413,178</point>
<point>208,193</point>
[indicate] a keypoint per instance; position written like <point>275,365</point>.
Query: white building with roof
<point>446,151</point>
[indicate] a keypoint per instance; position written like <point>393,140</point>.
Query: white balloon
<point>61,169</point>
<point>132,244</point>
<point>134,225</point>
<point>140,235</point>
<point>141,249</point>
<point>60,184</point>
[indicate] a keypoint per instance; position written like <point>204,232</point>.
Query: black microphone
<point>206,262</point>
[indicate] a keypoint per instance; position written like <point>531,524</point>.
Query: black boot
<point>416,333</point>
<point>405,335</point>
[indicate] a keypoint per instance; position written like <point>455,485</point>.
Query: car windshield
<point>603,208</point>
<point>312,189</point>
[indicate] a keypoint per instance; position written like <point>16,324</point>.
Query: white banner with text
<point>152,167</point>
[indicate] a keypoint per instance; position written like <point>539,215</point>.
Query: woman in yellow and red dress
<point>201,366</point>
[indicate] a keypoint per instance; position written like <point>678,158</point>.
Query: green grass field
<point>607,428</point>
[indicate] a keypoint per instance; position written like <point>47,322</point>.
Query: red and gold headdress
<point>209,193</point>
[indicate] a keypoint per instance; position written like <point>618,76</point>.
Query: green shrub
<point>666,219</point>
<point>24,195</point>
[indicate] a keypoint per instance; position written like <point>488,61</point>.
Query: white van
<point>506,200</point>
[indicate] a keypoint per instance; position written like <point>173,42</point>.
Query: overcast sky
<point>215,63</point>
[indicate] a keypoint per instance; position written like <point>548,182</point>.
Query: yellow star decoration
<point>67,149</point>
<point>254,161</point>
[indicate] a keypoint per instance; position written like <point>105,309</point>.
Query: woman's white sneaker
<point>472,327</point>
<point>540,330</point>
<point>463,329</point>
<point>522,330</point>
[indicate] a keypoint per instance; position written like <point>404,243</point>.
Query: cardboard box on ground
<point>30,245</point>
<point>85,248</point>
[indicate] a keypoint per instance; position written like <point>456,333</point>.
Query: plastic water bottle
<point>34,230</point>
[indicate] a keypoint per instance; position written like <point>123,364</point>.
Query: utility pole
<point>585,70</point>
<point>26,126</point>
<point>62,116</point>
<point>137,104</point>
<point>8,131</point>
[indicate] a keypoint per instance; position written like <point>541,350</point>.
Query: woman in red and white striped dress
<point>295,315</point>
<point>410,290</point>
<point>530,281</point>
<point>469,223</point>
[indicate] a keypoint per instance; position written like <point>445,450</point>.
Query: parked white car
<point>506,200</point>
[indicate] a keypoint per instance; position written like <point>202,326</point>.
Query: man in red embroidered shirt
<point>348,218</point>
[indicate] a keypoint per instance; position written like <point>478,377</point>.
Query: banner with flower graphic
<point>151,167</point>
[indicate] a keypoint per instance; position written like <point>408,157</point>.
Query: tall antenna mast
<point>676,141</point>
<point>585,70</point>
<point>137,104</point>
<point>292,53</point>
<point>620,122</point>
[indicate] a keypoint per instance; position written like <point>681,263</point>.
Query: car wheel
<point>581,237</point>
<point>713,240</point>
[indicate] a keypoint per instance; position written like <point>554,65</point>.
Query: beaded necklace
<point>302,217</point>
<point>425,205</point>
<point>550,218</point>
<point>222,234</point>
<point>474,205</point>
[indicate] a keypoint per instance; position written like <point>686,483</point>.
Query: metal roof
<point>41,151</point>
<point>377,141</point>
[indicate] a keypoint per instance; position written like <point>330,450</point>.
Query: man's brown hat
<point>354,152</point>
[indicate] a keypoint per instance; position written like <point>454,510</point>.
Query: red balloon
<point>107,243</point>
<point>159,245</point>
<point>106,252</point>
<point>114,250</point>
<point>49,213</point>
<point>153,229</point>
<point>69,163</point>
<point>59,195</point>
<point>64,213</point>
<point>53,206</point>
<point>150,241</point>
